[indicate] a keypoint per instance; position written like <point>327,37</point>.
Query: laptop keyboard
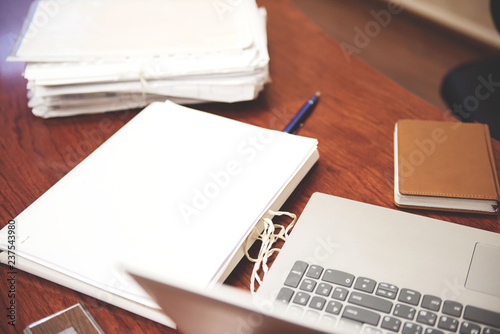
<point>331,296</point>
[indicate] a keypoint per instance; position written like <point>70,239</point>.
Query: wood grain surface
<point>415,52</point>
<point>353,122</point>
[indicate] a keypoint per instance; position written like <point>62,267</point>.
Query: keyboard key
<point>311,316</point>
<point>348,326</point>
<point>411,328</point>
<point>390,323</point>
<point>285,295</point>
<point>433,331</point>
<point>340,293</point>
<point>389,287</point>
<point>371,330</point>
<point>338,277</point>
<point>295,311</point>
<point>308,285</point>
<point>314,271</point>
<point>404,311</point>
<point>490,331</point>
<point>324,289</point>
<point>469,328</point>
<point>386,294</point>
<point>473,317</point>
<point>482,316</point>
<point>427,318</point>
<point>409,296</point>
<point>295,275</point>
<point>317,303</point>
<point>452,308</point>
<point>365,284</point>
<point>328,321</point>
<point>333,307</point>
<point>448,323</point>
<point>361,315</point>
<point>370,301</point>
<point>301,298</point>
<point>432,303</point>
<point>387,290</point>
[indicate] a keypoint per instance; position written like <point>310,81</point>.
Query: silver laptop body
<point>351,267</point>
<point>390,270</point>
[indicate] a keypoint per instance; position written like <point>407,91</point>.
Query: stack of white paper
<point>175,189</point>
<point>104,55</point>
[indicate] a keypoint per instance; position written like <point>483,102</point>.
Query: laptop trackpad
<point>484,270</point>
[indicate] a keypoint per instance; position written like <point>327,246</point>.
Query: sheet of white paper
<point>81,29</point>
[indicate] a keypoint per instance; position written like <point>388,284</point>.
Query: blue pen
<point>303,113</point>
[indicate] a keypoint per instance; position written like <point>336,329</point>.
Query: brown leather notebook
<point>444,166</point>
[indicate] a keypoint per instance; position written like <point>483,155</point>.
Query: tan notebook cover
<point>445,160</point>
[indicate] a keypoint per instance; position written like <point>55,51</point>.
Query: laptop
<point>351,267</point>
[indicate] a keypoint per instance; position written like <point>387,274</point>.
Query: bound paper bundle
<point>175,188</point>
<point>444,166</point>
<point>95,56</point>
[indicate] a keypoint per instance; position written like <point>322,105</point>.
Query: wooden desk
<point>353,122</point>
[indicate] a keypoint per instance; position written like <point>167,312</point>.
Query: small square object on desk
<point>73,320</point>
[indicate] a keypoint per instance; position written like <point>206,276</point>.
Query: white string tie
<point>269,236</point>
<point>144,84</point>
